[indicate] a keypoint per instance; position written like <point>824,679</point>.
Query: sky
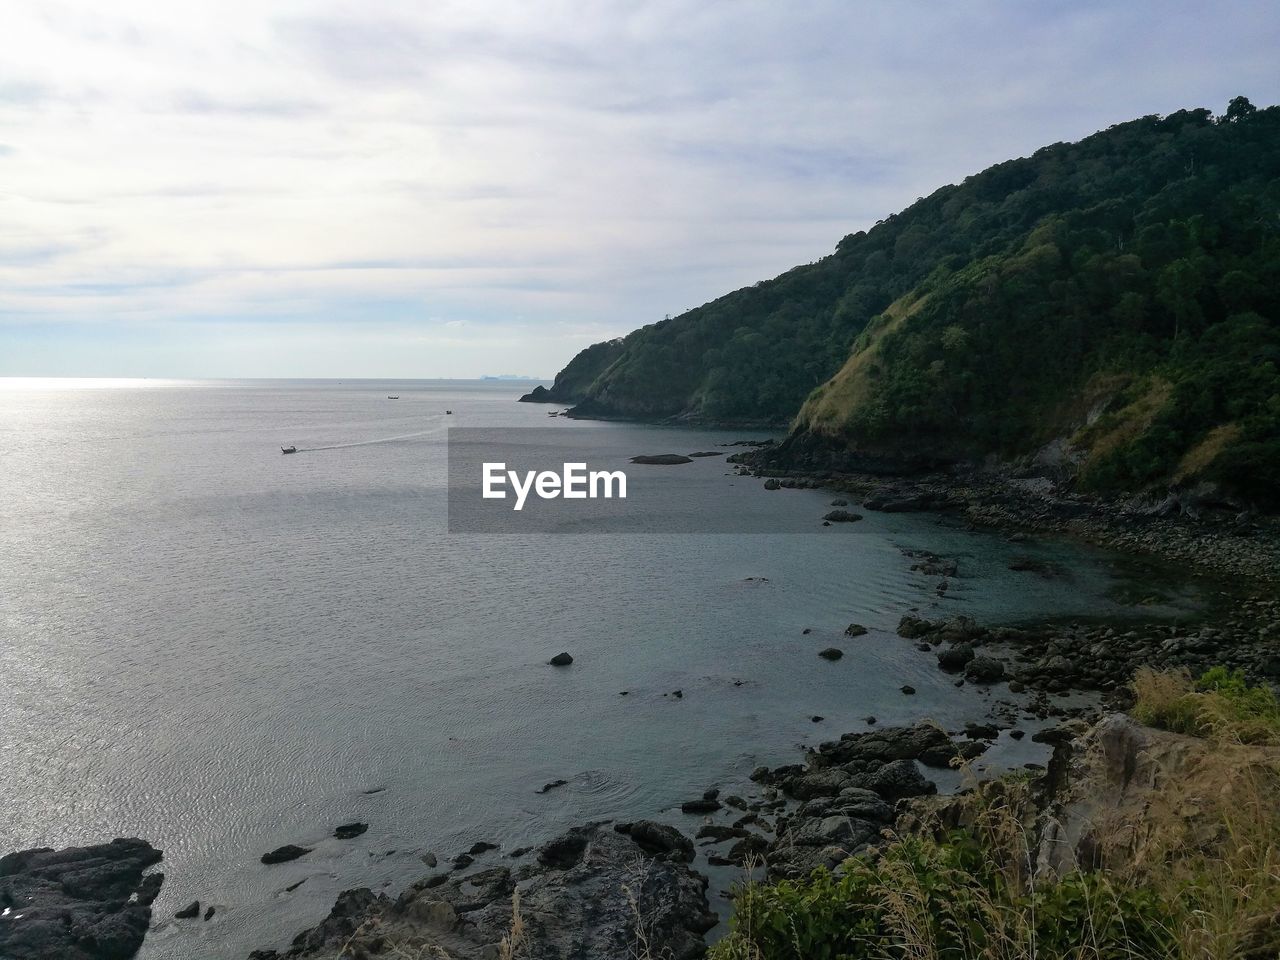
<point>439,189</point>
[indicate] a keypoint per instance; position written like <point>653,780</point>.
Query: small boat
<point>288,449</point>
<point>390,397</point>
<point>449,411</point>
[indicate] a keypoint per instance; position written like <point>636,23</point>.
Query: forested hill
<point>1121,294</point>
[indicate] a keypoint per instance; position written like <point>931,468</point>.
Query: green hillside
<point>1120,295</point>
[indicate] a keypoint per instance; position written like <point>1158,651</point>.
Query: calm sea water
<point>221,649</point>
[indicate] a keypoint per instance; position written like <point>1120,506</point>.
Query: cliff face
<point>1111,306</point>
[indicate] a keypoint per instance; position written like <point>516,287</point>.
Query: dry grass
<point>1200,457</point>
<point>513,944</point>
<point>1114,430</point>
<point>1182,862</point>
<point>831,407</point>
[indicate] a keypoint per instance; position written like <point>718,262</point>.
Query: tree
<point>1240,109</point>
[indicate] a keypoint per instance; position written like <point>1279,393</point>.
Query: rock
<point>981,731</point>
<point>819,783</point>
<point>561,660</point>
<point>349,831</point>
<point>900,504</point>
<point>284,854</point>
<point>984,670</point>
<point>831,653</point>
<point>772,484</point>
<point>208,914</point>
<point>538,394</point>
<point>908,689</point>
<point>855,630</point>
<point>1017,734</point>
<point>700,806</point>
<point>79,903</point>
<point>678,694</point>
<point>662,459</point>
<point>584,905</point>
<point>895,781</point>
<point>956,657</point>
<point>481,846</point>
<point>925,742</point>
<point>462,861</point>
<point>551,786</point>
<point>839,503</point>
<point>843,831</point>
<point>749,847</point>
<point>188,912</point>
<point>912,627</point>
<point>842,516</point>
<point>707,453</point>
<point>712,793</point>
<point>718,833</point>
<point>816,718</point>
<point>1058,666</point>
<point>564,851</point>
<point>659,840</point>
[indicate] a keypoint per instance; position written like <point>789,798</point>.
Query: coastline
<point>802,815</point>
<point>1061,683</point>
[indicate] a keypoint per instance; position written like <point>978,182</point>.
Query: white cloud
<point>307,167</point>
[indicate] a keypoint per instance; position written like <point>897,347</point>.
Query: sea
<point>223,649</point>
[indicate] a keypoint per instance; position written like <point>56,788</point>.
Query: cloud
<point>545,170</point>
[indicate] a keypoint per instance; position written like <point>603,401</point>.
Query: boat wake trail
<point>367,443</point>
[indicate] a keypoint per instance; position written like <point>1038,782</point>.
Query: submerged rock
<point>842,516</point>
<point>663,459</point>
<point>80,903</point>
<point>349,831</point>
<point>188,912</point>
<point>831,653</point>
<point>284,854</point>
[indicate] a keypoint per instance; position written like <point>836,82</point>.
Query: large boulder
<point>81,903</point>
<point>984,670</point>
<point>895,781</point>
<point>956,657</point>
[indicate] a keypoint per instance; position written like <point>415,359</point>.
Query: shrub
<point>1221,704</point>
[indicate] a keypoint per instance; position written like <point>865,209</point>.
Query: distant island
<point>510,376</point>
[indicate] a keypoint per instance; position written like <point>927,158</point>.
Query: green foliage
<point>1148,249</point>
<point>1220,703</point>
<point>571,383</point>
<point>946,899</point>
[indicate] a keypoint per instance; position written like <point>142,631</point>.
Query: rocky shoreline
<point>1194,528</point>
<point>634,889</point>
<point>850,793</point>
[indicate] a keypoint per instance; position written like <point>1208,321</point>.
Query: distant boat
<point>390,397</point>
<point>448,411</point>
<point>288,449</point>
